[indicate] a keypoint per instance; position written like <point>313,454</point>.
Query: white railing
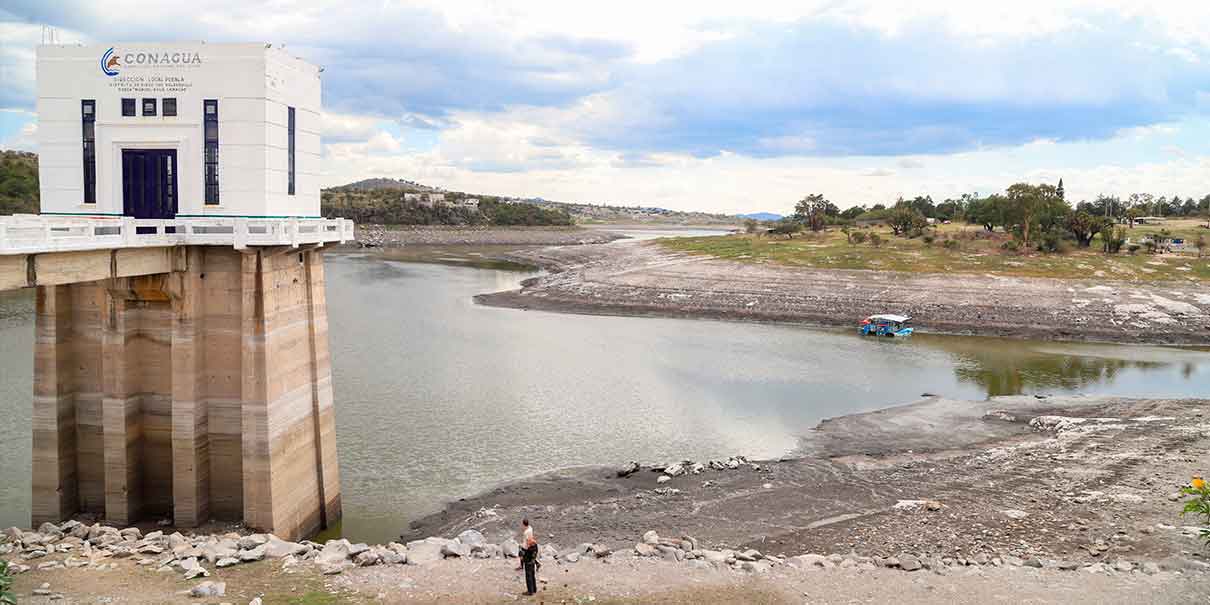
<point>27,233</point>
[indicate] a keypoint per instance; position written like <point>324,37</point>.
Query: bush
<point>1132,248</point>
<point>7,596</point>
<point>1199,505</point>
<point>875,240</point>
<point>1052,241</point>
<point>928,240</point>
<point>951,244</point>
<point>858,237</point>
<point>1113,238</point>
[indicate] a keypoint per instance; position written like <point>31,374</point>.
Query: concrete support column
<point>120,420</point>
<point>323,409</point>
<point>55,492</point>
<point>190,418</point>
<point>254,412</point>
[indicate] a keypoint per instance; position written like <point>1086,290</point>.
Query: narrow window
<point>169,107</point>
<point>88,119</point>
<point>148,107</point>
<point>128,108</point>
<point>210,122</point>
<point>290,150</point>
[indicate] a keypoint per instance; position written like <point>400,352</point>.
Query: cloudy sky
<point>720,106</point>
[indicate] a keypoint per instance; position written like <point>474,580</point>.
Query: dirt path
<point>642,278</point>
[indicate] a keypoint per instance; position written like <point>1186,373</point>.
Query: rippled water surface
<point>439,398</point>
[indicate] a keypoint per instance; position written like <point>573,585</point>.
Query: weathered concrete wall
<point>200,393</point>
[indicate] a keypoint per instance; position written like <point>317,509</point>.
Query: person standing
<point>529,558</point>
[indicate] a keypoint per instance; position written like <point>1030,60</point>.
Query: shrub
<point>7,596</point>
<point>1199,505</point>
<point>1113,238</point>
<point>875,240</point>
<point>1051,241</point>
<point>1132,248</point>
<point>858,237</point>
<point>928,240</point>
<point>951,244</point>
<point>1150,244</point>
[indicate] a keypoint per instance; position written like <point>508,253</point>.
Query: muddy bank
<point>403,235</point>
<point>645,279</point>
<point>1075,479</point>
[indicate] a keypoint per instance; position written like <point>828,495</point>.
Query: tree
<point>1059,190</point>
<point>1133,215</point>
<point>787,227</point>
<point>750,225</point>
<point>812,211</point>
<point>1083,227</point>
<point>852,212</point>
<point>1027,202</point>
<point>905,220</point>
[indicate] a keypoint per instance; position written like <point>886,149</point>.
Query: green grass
<point>978,253</point>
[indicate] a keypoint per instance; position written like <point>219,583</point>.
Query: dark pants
<point>531,577</point>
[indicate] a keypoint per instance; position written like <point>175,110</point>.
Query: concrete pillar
<point>323,402</point>
<point>208,393</point>
<point>190,420</point>
<point>120,419</point>
<point>55,493</point>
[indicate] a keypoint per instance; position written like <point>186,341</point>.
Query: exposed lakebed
<point>439,398</point>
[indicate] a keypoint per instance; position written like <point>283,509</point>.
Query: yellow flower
<point>1198,483</point>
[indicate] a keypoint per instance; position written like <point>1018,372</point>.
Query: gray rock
<point>425,551</point>
<point>367,558</point>
<point>757,567</point>
<point>643,549</point>
<point>334,552</point>
<point>471,538</point>
<point>331,570</point>
<point>277,548</point>
<point>811,562</point>
<point>511,548</point>
<point>357,549</point>
<point>663,479</point>
<point>209,589</point>
<point>1013,513</point>
<point>252,541</point>
<point>255,601</point>
<point>1150,568</point>
<point>908,562</point>
<point>1123,565</point>
<point>196,572</point>
<point>1035,563</point>
<point>629,469</point>
<point>674,470</point>
<point>254,554</point>
<point>651,538</point>
<point>226,562</point>
<point>455,549</point>
<point>571,557</point>
<point>174,541</point>
<point>1068,565</point>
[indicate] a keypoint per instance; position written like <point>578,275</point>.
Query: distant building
<point>470,202</point>
<point>413,197</point>
<point>436,198</point>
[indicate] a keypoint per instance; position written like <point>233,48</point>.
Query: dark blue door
<point>149,183</point>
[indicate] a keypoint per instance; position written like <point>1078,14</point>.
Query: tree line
<point>389,207</point>
<point>1038,216</point>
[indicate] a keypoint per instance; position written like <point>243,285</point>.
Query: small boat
<point>886,325</point>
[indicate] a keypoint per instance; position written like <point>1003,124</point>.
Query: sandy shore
<point>436,235</point>
<point>642,278</point>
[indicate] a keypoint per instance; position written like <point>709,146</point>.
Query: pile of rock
<point>685,548</point>
<point>99,547</point>
<point>689,467</point>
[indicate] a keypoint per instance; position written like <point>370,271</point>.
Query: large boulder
<point>252,541</point>
<point>471,538</point>
<point>209,589</point>
<point>367,558</point>
<point>428,550</point>
<point>644,549</point>
<point>510,548</point>
<point>651,538</point>
<point>628,469</point>
<point>454,548</point>
<point>277,548</point>
<point>252,554</point>
<point>674,470</point>
<point>335,552</point>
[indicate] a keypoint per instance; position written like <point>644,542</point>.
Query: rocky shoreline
<point>393,236</point>
<point>643,278</point>
<point>1074,486</point>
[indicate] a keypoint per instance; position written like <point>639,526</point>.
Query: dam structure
<point>181,362</point>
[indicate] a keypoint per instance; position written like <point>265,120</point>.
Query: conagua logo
<point>109,63</point>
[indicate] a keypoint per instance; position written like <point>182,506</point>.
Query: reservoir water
<point>439,398</point>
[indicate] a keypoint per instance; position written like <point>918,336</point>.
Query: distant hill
<point>18,182</point>
<point>762,216</point>
<point>381,183</point>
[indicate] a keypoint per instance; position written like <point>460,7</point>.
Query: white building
<point>436,198</point>
<point>413,197</point>
<point>470,202</point>
<point>161,131</point>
